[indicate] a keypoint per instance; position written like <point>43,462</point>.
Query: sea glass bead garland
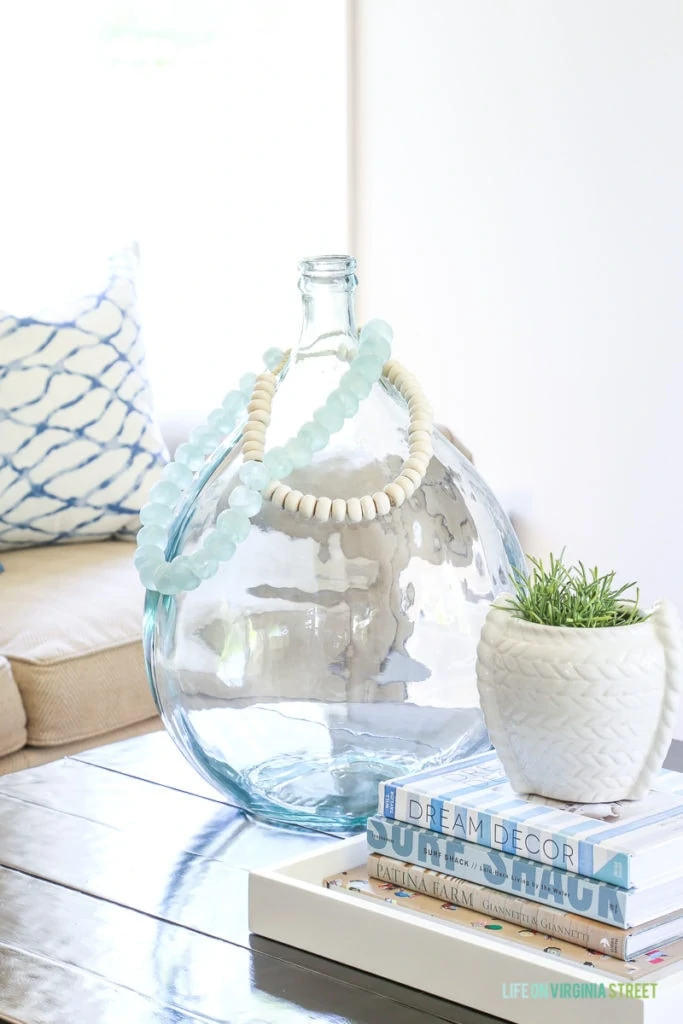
<point>263,470</point>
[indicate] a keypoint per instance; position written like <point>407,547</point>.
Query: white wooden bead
<point>254,448</point>
<point>381,502</point>
<point>266,380</point>
<point>271,489</point>
<point>421,448</point>
<point>323,507</point>
<point>293,500</point>
<point>354,510</point>
<point>338,512</point>
<point>395,494</point>
<point>258,404</point>
<point>307,506</point>
<point>411,474</point>
<point>280,494</point>
<point>411,391</point>
<point>260,416</point>
<point>263,394</point>
<point>417,462</point>
<point>256,430</point>
<point>391,370</point>
<point>407,485</point>
<point>368,507</point>
<point>420,435</point>
<point>253,424</point>
<point>420,423</point>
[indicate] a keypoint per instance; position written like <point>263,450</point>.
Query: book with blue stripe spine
<point>625,843</point>
<point>528,879</point>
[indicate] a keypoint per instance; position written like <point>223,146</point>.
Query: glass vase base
<point>330,786</point>
<point>330,793</point>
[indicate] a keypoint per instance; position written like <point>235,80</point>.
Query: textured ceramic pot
<point>580,715</point>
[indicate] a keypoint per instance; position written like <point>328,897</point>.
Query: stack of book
<point>607,879</point>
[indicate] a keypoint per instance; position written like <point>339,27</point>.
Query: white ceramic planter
<point>581,715</point>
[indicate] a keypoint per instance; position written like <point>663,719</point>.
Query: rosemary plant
<point>571,596</point>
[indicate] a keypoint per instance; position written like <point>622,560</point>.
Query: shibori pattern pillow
<point>79,447</point>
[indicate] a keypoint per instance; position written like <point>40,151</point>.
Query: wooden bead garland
<point>339,510</point>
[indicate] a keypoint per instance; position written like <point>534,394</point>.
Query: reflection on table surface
<point>123,897</point>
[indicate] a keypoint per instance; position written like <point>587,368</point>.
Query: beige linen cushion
<point>12,714</point>
<point>71,626</point>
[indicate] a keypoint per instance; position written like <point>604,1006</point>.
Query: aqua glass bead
<point>182,573</point>
<point>330,419</point>
<point>334,402</point>
<point>215,419</point>
<point>359,385</point>
<point>164,580</point>
<point>254,474</point>
<point>234,403</point>
<point>179,474</point>
<point>234,523</point>
<point>202,566</point>
<point>369,366</point>
<point>147,575</point>
<point>148,554</point>
<point>156,514</point>
<point>190,454</point>
<point>272,358</point>
<point>247,381</point>
<point>244,499</point>
<point>278,463</point>
<point>152,536</point>
<point>315,435</point>
<point>348,400</point>
<point>300,452</point>
<point>206,439</point>
<point>221,421</point>
<point>217,545</point>
<point>165,492</point>
<point>377,329</point>
<point>378,348</point>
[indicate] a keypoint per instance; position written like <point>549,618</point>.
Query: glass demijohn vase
<point>324,657</point>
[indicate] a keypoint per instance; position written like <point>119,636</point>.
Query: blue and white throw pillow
<point>79,447</point>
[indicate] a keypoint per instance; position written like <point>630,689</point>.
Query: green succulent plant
<point>562,595</point>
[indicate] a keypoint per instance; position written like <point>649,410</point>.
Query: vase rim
<point>327,267</point>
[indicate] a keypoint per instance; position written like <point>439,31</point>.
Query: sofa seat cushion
<point>12,714</point>
<point>71,627</point>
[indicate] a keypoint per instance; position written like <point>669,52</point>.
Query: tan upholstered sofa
<point>72,674</point>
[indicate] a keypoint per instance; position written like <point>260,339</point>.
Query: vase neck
<point>327,286</point>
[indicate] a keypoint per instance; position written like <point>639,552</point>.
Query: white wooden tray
<point>288,903</point>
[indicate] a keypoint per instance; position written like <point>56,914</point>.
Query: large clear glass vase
<point>325,657</point>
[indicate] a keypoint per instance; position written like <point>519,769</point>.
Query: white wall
<point>519,220</point>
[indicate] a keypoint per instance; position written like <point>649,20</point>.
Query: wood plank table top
<point>123,900</point>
